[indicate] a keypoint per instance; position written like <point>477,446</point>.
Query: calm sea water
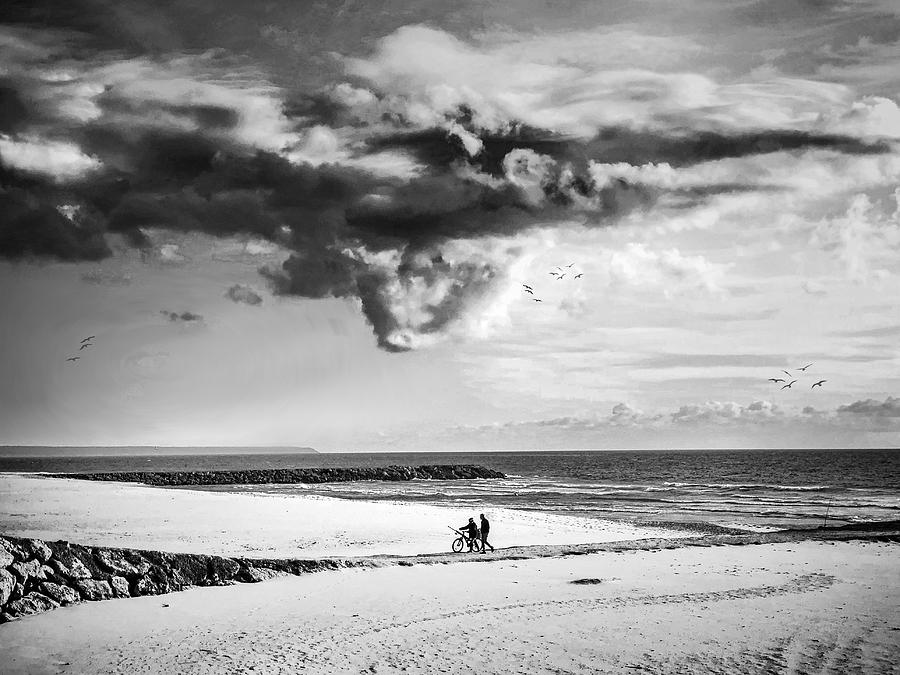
<point>755,488</point>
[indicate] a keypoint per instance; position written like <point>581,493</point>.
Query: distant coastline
<point>147,450</point>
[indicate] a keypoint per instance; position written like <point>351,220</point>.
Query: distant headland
<point>146,450</point>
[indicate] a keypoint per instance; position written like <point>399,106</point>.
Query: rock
<point>78,561</point>
<point>33,603</point>
<point>75,570</point>
<point>35,548</point>
<point>256,574</point>
<point>17,592</point>
<point>7,585</point>
<point>6,558</point>
<point>220,570</point>
<point>120,587</point>
<point>91,589</point>
<point>13,549</point>
<point>122,563</point>
<point>59,593</point>
<point>26,570</point>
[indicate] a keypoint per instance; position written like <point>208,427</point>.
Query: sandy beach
<point>260,525</point>
<point>779,608</point>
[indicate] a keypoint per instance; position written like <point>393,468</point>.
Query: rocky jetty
<point>332,475</point>
<point>36,575</point>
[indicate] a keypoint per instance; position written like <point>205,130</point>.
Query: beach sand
<point>262,525</point>
<point>810,607</point>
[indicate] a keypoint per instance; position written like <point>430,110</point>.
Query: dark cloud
<point>243,294</point>
<point>185,317</point>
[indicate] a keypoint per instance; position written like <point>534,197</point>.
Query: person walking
<point>485,529</point>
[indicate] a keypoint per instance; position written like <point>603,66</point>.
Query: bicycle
<point>463,540</point>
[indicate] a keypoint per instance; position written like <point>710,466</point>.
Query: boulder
<point>59,593</point>
<point>7,585</point>
<point>120,587</point>
<point>75,570</point>
<point>78,559</point>
<point>121,563</point>
<point>27,570</point>
<point>220,570</point>
<point>256,574</point>
<point>33,603</point>
<point>12,548</point>
<point>6,558</point>
<point>91,589</point>
<point>17,592</point>
<point>35,548</point>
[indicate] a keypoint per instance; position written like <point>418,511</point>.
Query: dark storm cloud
<point>243,294</point>
<point>183,317</point>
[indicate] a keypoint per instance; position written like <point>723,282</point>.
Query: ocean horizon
<point>744,489</point>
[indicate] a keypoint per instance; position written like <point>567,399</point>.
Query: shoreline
<point>37,576</point>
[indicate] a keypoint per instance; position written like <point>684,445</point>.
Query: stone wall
<point>331,475</point>
<point>36,575</point>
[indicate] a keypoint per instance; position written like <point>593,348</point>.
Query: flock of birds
<point>788,385</point>
<point>85,343</point>
<point>559,274</point>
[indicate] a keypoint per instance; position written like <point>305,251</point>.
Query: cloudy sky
<point>309,223</point>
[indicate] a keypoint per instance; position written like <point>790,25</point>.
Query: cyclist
<point>472,532</point>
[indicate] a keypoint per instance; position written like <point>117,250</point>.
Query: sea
<point>746,489</point>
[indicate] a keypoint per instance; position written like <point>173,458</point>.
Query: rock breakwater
<point>324,475</point>
<point>36,576</point>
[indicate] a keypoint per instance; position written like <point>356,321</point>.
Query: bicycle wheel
<point>458,544</point>
<point>476,546</point>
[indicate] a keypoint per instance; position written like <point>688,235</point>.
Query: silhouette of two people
<point>473,533</point>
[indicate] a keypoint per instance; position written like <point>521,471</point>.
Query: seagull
<point>787,373</point>
<point>529,291</point>
<point>86,344</point>
<point>818,384</point>
<point>88,338</point>
<point>788,385</point>
<point>570,265</point>
<point>775,379</point>
<point>559,278</point>
<point>805,367</point>
<point>73,358</point>
<point>537,299</point>
<point>527,286</point>
<point>553,274</point>
<point>579,275</point>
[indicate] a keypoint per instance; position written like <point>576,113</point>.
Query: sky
<point>326,224</point>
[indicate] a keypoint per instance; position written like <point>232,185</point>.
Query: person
<point>471,530</point>
<point>485,529</point>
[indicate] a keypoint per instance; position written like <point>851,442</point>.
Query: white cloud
<point>576,87</point>
<point>61,160</point>
<point>669,270</point>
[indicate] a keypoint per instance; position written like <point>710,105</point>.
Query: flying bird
<point>579,275</point>
<point>788,385</point>
<point>570,265</point>
<point>529,291</point>
<point>73,358</point>
<point>818,384</point>
<point>553,274</point>
<point>537,299</point>
<point>526,286</point>
<point>559,278</point>
<point>787,373</point>
<point>805,367</point>
<point>88,338</point>
<point>776,379</point>
<point>86,344</point>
